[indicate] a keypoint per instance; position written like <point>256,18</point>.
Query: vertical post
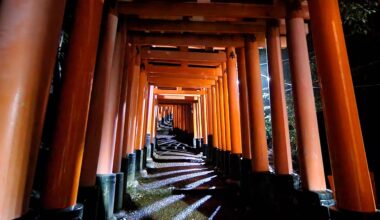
<point>226,105</point>
<point>244,111</point>
<point>280,129</point>
<point>100,136</point>
<point>309,147</point>
<point>24,87</point>
<point>97,119</point>
<point>346,147</point>
<point>204,119</point>
<point>140,113</point>
<point>233,91</point>
<point>150,123</point>
<point>222,113</point>
<point>259,148</point>
<point>215,139</point>
<point>210,121</point>
<point>122,102</point>
<point>129,157</point>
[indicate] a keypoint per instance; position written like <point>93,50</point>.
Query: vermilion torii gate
<point>195,64</point>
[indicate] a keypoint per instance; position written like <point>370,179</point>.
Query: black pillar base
<point>89,196</point>
<point>220,165</point>
<point>216,158</point>
<point>194,143</point>
<point>145,157</point>
<point>261,193</point>
<point>287,182</point>
<point>226,163</point>
<point>235,163</point>
<point>71,213</point>
<point>314,205</point>
<point>106,184</point>
<point>199,145</point>
<point>245,173</point>
<point>119,192</point>
<point>148,147</point>
<point>128,167</point>
<point>208,149</point>
<point>337,214</point>
<point>205,151</point>
<point>139,160</point>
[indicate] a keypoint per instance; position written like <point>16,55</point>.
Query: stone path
<point>180,186</point>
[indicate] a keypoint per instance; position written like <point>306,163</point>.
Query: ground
<point>179,185</point>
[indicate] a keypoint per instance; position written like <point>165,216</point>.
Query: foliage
<point>356,15</point>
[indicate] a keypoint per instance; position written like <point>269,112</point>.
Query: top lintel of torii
<point>233,10</point>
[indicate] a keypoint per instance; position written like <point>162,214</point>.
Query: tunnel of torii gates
<point>193,63</point>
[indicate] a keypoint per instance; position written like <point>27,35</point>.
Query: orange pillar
<point>215,136</point>
<point>348,159</point>
<point>28,46</point>
<point>210,129</point>
<point>154,122</point>
<point>204,118</point>
<point>149,123</point>
<point>309,147</point>
<point>226,108</point>
<point>244,110</point>
<point>96,156</point>
<point>132,114</point>
<point>70,130</point>
<point>195,122</point>
<point>280,129</point>
<point>219,114</point>
<point>233,90</point>
<point>200,119</point>
<point>259,148</point>
<point>129,157</point>
<point>100,136</point>
<point>222,114</point>
<point>209,113</point>
<point>141,112</point>
<point>120,64</point>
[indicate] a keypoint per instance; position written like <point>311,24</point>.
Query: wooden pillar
<point>210,128</point>
<point>140,110</point>
<point>309,147</point>
<point>98,144</point>
<point>233,91</point>
<point>259,148</point>
<point>244,109</point>
<point>222,123</point>
<point>129,133</point>
<point>154,120</point>
<point>215,137</point>
<point>28,46</point>
<point>195,121</point>
<point>221,132</point>
<point>348,159</point>
<point>280,127</point>
<point>122,103</point>
<point>204,117</point>
<point>150,116</point>
<point>226,108</point>
<point>200,119</point>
